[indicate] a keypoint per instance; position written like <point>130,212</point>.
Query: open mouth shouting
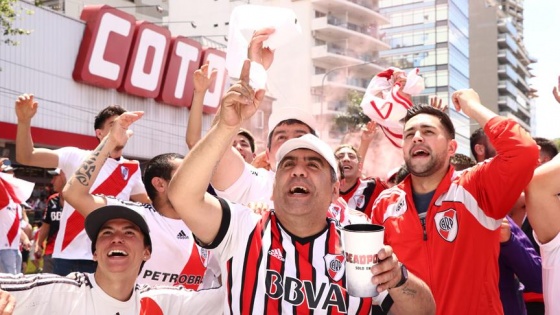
<point>299,190</point>
<point>117,253</point>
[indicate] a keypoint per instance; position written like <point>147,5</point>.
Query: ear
<point>335,190</point>
<point>159,184</point>
<point>452,147</point>
<point>147,254</point>
<point>98,134</point>
<point>480,150</point>
<point>95,255</point>
<point>360,166</point>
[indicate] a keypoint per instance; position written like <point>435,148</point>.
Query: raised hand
<point>202,80</point>
<point>556,91</point>
<point>368,131</point>
<point>257,52</point>
<point>119,131</point>
<point>464,100</point>
<point>436,102</point>
<point>26,107</point>
<point>240,101</point>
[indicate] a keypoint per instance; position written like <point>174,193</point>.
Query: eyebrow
<point>423,126</point>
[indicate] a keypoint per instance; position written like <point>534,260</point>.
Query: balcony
<point>333,29</point>
<point>361,10</point>
<point>339,83</point>
<point>336,56</point>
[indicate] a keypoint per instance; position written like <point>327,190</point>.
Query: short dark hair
<point>429,110</point>
<point>547,146</point>
<point>349,146</point>
<point>247,134</point>
<point>158,166</point>
<point>461,161</point>
<point>478,137</point>
<point>107,113</point>
<point>288,122</point>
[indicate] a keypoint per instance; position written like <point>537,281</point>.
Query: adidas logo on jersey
<point>276,253</point>
<point>182,235</point>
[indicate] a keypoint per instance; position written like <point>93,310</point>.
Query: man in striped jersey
<point>119,177</point>
<point>121,245</point>
<point>289,260</point>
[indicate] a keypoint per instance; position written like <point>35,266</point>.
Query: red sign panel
<point>142,59</point>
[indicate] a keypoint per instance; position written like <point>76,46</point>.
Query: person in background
<point>119,177</point>
<point>44,246</point>
<point>519,262</point>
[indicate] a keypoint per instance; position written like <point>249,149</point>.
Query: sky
<point>542,40</point>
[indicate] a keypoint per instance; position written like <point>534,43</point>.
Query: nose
<point>299,171</point>
<point>117,238</point>
<point>417,137</point>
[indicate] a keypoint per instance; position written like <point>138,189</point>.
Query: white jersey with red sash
<point>176,258</point>
<point>13,192</point>
<point>120,179</point>
<point>267,270</point>
<point>79,294</point>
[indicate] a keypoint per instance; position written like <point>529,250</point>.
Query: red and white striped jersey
<point>79,294</point>
<point>267,270</point>
<point>362,195</point>
<point>120,179</point>
<point>176,259</point>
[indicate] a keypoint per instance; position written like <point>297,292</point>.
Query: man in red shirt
<point>445,225</point>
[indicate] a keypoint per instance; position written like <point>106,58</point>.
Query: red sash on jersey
<point>112,186</point>
<point>6,194</point>
<point>194,266</point>
<point>149,307</point>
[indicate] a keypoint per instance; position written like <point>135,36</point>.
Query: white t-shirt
<point>254,185</point>
<point>550,253</point>
<point>176,259</point>
<point>268,270</point>
<point>79,294</point>
<point>120,178</point>
<point>10,217</point>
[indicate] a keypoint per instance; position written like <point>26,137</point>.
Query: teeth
<point>117,253</point>
<point>299,190</point>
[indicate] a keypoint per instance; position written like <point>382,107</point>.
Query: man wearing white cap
<point>281,262</point>
<point>239,181</point>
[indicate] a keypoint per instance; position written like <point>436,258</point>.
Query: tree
<point>354,118</point>
<point>8,14</point>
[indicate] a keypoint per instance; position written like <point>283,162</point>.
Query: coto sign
<point>143,59</point>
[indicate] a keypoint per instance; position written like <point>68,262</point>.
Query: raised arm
<point>368,132</point>
<point>26,108</point>
<point>231,165</point>
<point>468,101</point>
<point>202,82</point>
<point>202,212</point>
<point>542,203</point>
<point>77,189</point>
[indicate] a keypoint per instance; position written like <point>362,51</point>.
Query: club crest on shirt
<point>124,172</point>
<point>204,254</point>
<point>359,200</point>
<point>335,266</point>
<point>446,224</point>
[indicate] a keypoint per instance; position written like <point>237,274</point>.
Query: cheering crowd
<point>223,230</point>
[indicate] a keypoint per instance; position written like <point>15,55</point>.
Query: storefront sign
<point>143,59</point>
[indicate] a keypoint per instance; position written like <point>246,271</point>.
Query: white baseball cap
<point>279,114</point>
<point>310,142</point>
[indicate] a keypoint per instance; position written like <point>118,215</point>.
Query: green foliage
<point>354,118</point>
<point>8,14</point>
